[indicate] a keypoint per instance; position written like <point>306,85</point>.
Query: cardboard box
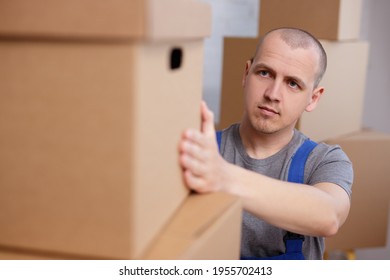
<point>98,19</point>
<point>90,121</point>
<point>340,110</point>
<point>206,227</point>
<point>366,225</point>
<point>330,20</point>
<point>17,254</point>
<point>196,231</point>
<point>344,80</point>
<point>235,54</point>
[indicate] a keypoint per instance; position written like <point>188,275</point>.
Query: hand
<point>199,156</point>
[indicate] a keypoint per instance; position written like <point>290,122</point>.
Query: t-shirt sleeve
<point>330,164</point>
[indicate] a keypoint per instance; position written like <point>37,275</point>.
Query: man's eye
<point>263,73</point>
<point>293,84</point>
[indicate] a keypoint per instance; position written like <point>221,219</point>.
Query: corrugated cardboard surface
<point>205,227</point>
<point>236,52</point>
<point>171,19</point>
<point>15,255</point>
<point>10,253</point>
<point>116,19</point>
<point>88,143</point>
<point>66,142</point>
<point>331,20</point>
<point>167,102</point>
<point>340,110</point>
<point>73,18</point>
<point>366,225</point>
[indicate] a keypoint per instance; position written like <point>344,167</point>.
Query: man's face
<point>278,85</point>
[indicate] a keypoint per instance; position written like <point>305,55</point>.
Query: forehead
<point>286,60</point>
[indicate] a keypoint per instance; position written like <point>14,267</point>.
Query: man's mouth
<point>267,110</point>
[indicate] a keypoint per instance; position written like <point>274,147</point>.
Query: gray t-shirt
<point>325,164</point>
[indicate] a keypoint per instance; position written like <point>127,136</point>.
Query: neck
<point>261,145</point>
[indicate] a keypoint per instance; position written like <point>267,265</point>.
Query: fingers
<point>207,120</point>
<point>189,162</point>
<point>195,137</point>
<point>195,183</point>
<point>193,167</point>
<point>193,154</point>
<point>198,154</point>
<point>191,149</point>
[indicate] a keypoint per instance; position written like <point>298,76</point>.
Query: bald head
<point>297,38</point>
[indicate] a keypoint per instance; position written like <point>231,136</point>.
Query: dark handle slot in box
<point>176,58</point>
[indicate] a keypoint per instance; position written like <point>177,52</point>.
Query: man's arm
<point>317,210</point>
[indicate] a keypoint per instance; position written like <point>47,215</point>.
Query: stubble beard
<point>264,126</point>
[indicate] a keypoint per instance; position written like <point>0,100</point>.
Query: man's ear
<point>315,98</point>
<point>246,72</point>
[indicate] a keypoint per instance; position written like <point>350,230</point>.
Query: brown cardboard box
<point>236,52</point>
<point>12,255</point>
<point>20,254</point>
<point>340,109</point>
<point>206,227</point>
<point>330,20</point>
<point>98,19</point>
<point>366,225</point>
<point>90,121</point>
<point>196,231</point>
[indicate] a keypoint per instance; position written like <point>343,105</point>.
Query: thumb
<point>207,120</point>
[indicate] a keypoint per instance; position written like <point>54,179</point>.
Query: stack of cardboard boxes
<point>94,96</point>
<point>338,118</point>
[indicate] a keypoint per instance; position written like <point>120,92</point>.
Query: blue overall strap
<point>297,167</point>
<point>219,138</point>
<point>296,174</point>
<point>293,243</point>
<point>293,251</point>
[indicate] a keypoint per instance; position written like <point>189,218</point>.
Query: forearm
<point>295,207</point>
<point>311,210</point>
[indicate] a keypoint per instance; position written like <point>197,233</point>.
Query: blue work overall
<point>292,241</point>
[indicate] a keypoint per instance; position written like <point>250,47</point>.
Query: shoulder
<point>329,163</point>
<point>322,151</point>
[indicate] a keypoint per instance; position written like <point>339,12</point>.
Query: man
<point>280,83</point>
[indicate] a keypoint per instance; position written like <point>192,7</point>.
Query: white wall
<point>375,29</point>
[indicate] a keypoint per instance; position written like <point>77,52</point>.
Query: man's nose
<point>273,91</point>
